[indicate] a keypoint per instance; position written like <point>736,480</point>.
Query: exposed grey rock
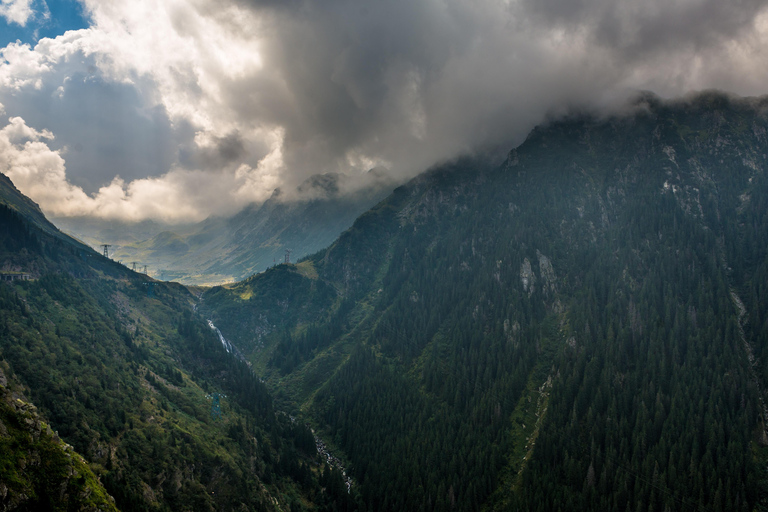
<point>548,278</point>
<point>527,277</point>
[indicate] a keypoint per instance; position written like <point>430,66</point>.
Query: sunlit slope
<point>561,331</point>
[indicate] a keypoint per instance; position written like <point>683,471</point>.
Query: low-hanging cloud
<point>641,29</point>
<point>206,106</point>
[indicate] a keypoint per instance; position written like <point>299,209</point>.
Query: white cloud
<point>16,11</point>
<point>177,196</point>
<point>33,167</point>
<point>189,49</point>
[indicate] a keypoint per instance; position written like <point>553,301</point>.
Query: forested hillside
<point>123,370</point>
<point>39,471</point>
<point>583,327</point>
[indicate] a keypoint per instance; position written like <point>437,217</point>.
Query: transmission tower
<point>106,249</point>
<point>133,265</point>
<point>145,269</point>
<point>287,255</point>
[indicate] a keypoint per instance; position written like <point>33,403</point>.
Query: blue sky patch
<point>62,15</point>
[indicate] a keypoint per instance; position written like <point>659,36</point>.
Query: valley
<point>228,249</point>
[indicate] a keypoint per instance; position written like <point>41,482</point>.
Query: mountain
<point>13,199</point>
<point>111,384</point>
<point>227,249</point>
<point>582,327</point>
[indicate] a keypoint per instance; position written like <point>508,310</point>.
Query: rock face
<point>547,278</point>
<point>547,272</point>
<point>527,277</point>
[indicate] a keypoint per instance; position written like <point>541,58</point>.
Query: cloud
<point>17,11</point>
<point>177,196</point>
<point>409,83</point>
<point>213,104</point>
<point>638,29</point>
<point>33,167</point>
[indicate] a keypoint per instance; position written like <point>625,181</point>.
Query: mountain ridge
<point>603,251</point>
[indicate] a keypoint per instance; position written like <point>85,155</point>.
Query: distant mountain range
<point>221,250</point>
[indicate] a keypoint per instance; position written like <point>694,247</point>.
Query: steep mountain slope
<point>579,328</point>
<point>39,471</point>
<point>13,199</point>
<point>125,371</point>
<point>226,249</point>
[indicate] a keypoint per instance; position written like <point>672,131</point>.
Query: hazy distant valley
<point>219,250</point>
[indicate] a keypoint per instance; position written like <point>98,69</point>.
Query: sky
<point>29,21</point>
<point>175,110</point>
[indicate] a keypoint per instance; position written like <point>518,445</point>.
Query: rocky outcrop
<point>527,277</point>
<point>547,272</point>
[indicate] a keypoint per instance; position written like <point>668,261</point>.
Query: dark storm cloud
<point>221,152</point>
<point>411,82</point>
<point>638,28</point>
<point>107,128</point>
<point>352,76</point>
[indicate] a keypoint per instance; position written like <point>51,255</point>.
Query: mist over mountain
<point>174,111</point>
